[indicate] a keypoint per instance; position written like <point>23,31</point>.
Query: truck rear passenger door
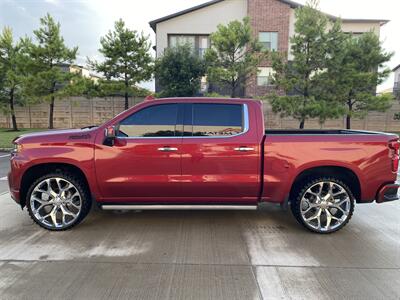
<point>220,154</point>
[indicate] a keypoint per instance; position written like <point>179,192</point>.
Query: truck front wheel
<point>58,201</point>
<point>323,205</point>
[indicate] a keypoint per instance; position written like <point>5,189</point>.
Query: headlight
<point>17,148</point>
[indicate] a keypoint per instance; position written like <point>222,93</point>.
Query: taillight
<point>394,147</point>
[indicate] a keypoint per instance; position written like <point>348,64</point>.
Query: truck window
<point>153,121</point>
<point>217,119</point>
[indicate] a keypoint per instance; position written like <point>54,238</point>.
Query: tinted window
<point>153,121</point>
<point>217,119</point>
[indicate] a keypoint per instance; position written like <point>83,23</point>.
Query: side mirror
<point>110,132</point>
<point>109,136</point>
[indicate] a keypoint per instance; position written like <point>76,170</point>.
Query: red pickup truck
<point>200,153</point>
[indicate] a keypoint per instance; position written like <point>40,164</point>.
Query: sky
<point>83,22</point>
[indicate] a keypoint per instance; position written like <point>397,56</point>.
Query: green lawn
<point>6,136</point>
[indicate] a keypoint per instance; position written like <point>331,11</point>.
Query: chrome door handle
<point>244,149</point>
<point>167,149</point>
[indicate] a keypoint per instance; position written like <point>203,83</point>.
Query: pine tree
<point>49,56</point>
<point>302,79</point>
<point>126,58</point>
<point>234,56</point>
<point>179,72</point>
<point>13,60</point>
<point>358,72</point>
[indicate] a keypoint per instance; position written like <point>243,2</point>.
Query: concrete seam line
<point>7,155</point>
<point>194,264</point>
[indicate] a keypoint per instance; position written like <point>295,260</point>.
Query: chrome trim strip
<point>246,128</point>
<point>179,207</point>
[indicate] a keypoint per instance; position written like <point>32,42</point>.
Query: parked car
<point>201,154</point>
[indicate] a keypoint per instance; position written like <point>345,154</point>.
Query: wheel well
<point>37,171</point>
<point>344,174</point>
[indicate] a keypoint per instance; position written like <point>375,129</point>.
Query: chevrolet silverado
<point>200,153</point>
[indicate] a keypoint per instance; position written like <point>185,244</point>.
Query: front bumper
<point>15,194</point>
<point>388,193</point>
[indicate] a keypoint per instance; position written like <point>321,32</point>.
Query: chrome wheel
<point>56,203</point>
<point>325,206</point>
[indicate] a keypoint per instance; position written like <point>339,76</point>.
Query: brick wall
<point>273,16</point>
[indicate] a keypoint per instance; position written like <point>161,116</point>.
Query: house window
<point>180,40</point>
<point>199,43</point>
<point>264,76</point>
<point>269,40</point>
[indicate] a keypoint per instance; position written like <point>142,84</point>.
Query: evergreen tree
<point>314,45</point>
<point>179,72</point>
<point>13,60</point>
<point>358,71</point>
<point>49,56</point>
<point>126,58</point>
<point>234,56</point>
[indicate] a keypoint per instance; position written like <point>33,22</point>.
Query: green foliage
<point>49,55</point>
<point>13,61</point>
<point>86,87</point>
<point>314,47</point>
<point>179,72</point>
<point>234,56</point>
<point>357,72</point>
<point>126,58</point>
<point>215,95</point>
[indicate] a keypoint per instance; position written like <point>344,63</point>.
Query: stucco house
<point>272,21</point>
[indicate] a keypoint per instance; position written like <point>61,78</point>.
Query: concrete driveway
<point>4,167</point>
<point>200,255</point>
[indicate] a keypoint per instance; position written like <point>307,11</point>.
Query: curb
<point>5,149</point>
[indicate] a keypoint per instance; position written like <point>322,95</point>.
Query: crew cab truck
<point>200,153</point>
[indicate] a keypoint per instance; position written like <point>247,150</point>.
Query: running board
<point>179,207</point>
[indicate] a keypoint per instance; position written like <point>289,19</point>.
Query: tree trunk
<point>12,111</point>
<point>126,100</point>
<point>52,99</point>
<point>51,113</point>
<point>302,124</point>
<point>348,116</point>
<point>126,90</point>
<point>348,122</point>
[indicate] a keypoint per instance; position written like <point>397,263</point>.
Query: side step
<point>179,207</point>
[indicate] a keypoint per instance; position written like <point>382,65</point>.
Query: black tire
<point>300,191</point>
<point>81,187</point>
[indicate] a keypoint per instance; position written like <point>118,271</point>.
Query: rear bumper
<point>388,193</point>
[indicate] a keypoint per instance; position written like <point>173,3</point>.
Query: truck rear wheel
<point>323,205</point>
<point>58,201</point>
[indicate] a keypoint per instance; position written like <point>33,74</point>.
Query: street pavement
<point>4,168</point>
<point>261,254</point>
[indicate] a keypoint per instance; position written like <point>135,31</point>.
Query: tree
<point>234,56</point>
<point>13,59</point>
<point>179,72</point>
<point>49,55</point>
<point>358,73</point>
<point>314,47</point>
<point>126,58</point>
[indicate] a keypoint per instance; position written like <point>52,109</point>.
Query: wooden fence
<point>74,112</point>
<point>78,112</point>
